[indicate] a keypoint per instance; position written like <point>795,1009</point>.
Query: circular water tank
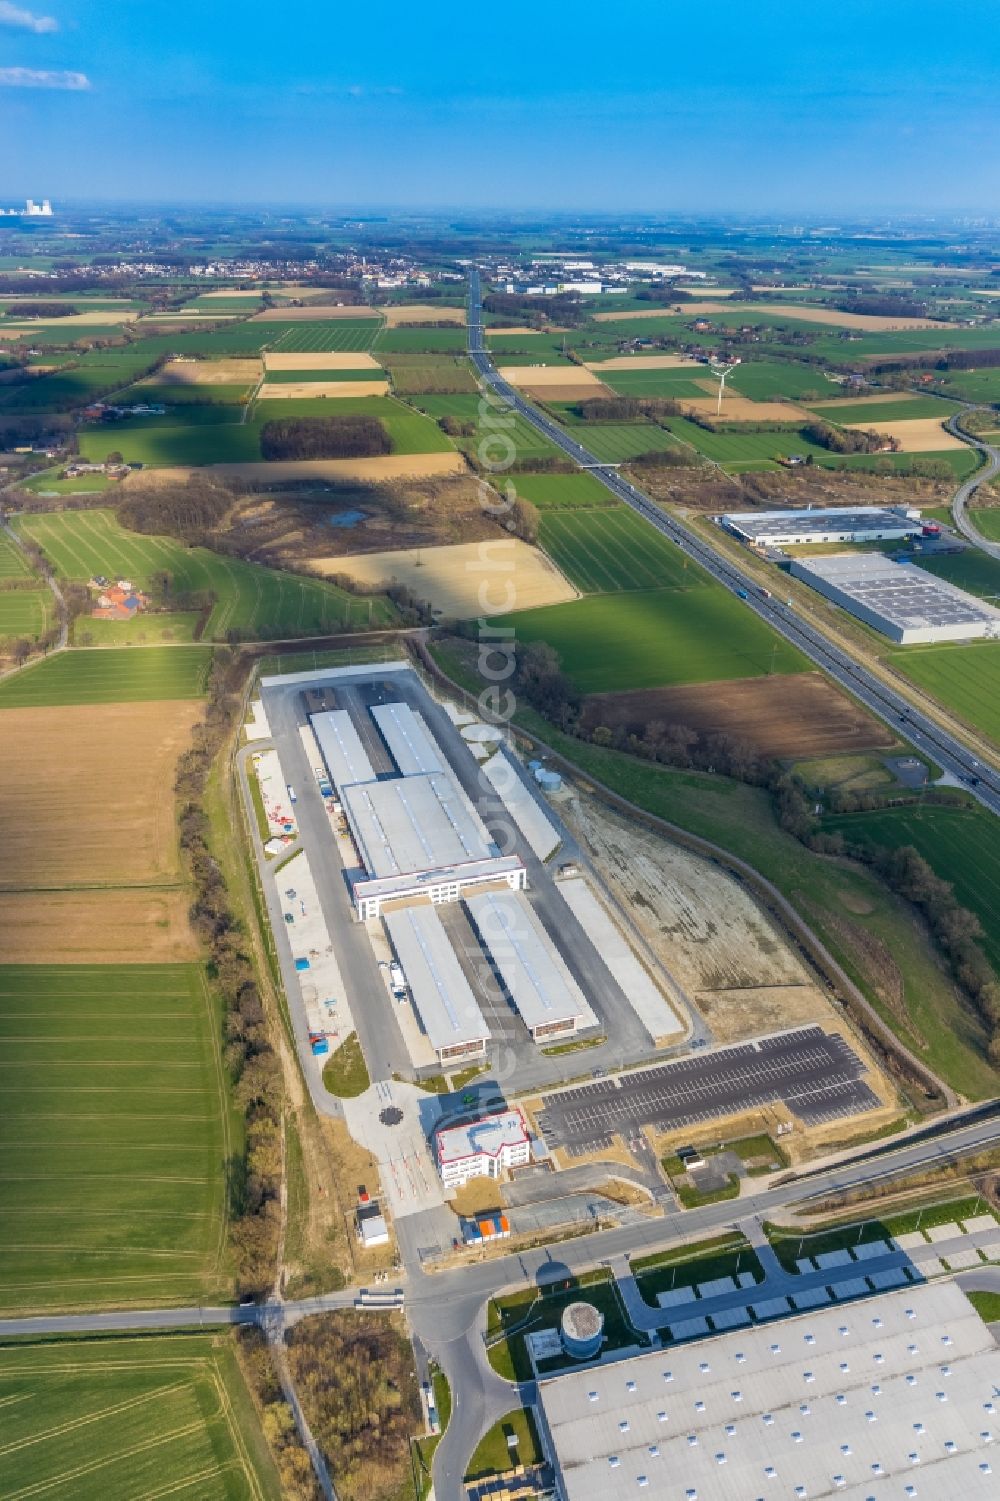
<point>582,1330</point>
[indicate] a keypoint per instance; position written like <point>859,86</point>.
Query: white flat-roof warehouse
<point>892,1396</point>
<point>547,998</point>
<point>346,758</point>
<point>833,524</point>
<point>405,733</point>
<point>420,836</point>
<point>452,1020</point>
<point>904,602</point>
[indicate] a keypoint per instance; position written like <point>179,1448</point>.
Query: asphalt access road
<point>817,1076</point>
<point>900,712</point>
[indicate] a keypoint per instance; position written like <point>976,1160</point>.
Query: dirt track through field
<point>701,924</point>
<point>465,580</point>
<point>86,793</point>
<point>789,716</point>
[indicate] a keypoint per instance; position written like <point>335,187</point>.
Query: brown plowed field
<point>86,793</point>
<point>800,715</point>
<point>131,925</point>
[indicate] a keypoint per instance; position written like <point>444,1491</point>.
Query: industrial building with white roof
<point>485,1148</point>
<point>904,602</point>
<point>420,836</point>
<point>534,974</point>
<point>836,524</point>
<point>452,1020</point>
<point>893,1396</point>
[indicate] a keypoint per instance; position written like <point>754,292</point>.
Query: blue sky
<point>875,106</point>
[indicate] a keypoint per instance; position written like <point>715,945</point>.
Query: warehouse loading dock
<point>441,995</point>
<point>533,973</point>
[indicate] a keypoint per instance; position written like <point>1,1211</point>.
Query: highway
<point>967,489</point>
<point>950,753</point>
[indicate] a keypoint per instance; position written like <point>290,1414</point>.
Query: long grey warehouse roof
<point>860,519</point>
<point>346,758</point>
<point>893,1396</point>
<point>440,991</point>
<point>410,824</point>
<point>901,592</point>
<point>405,733</point>
<point>536,977</point>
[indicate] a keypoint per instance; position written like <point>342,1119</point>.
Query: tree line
<point>350,437</point>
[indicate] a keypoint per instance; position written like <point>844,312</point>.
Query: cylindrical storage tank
<point>582,1330</point>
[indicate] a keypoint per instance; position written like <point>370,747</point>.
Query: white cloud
<point>42,78</point>
<point>13,15</point>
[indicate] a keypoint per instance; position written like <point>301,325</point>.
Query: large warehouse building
<point>442,996</point>
<point>836,524</point>
<point>533,973</point>
<point>904,602</point>
<point>892,1396</point>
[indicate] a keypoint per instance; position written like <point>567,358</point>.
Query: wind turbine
<point>722,371</point>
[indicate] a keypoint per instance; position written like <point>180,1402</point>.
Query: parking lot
<point>818,1077</point>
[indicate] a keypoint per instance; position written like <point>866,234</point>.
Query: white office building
<point>486,1148</point>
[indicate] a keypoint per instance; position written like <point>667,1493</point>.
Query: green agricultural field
<point>409,430</point>
<point>616,442</point>
<point>153,628</point>
<point>675,385</point>
<point>971,570</point>
<point>115,1127</point>
<point>216,398</point>
<point>742,447</point>
<point>343,335</point>
<point>613,549</point>
<point>156,445</point>
<point>529,349</point>
<point>874,412</point>
<point>13,564</point>
<point>963,678</point>
<point>249,599</point>
<point>412,374</point>
<point>972,385</point>
<point>421,341</point>
<point>502,436</point>
<point>986,519</point>
<point>108,677</point>
<point>24,612</point>
<point>647,639</point>
<point>763,380</point>
<point>959,843</point>
<point>114,1418</point>
<point>215,435</point>
<point>310,377</point>
<point>563,491</point>
<point>84,484</point>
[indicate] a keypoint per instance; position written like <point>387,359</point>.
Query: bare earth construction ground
<point>327,361</point>
<point>702,926</point>
<point>205,373</point>
<point>791,716</point>
<point>467,580</point>
<point>313,390</point>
